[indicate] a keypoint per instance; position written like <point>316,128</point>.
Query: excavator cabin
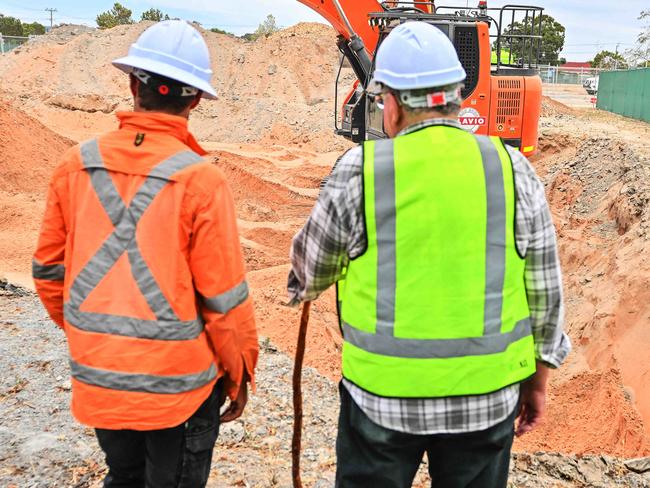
<point>498,47</point>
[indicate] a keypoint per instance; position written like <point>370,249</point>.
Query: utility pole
<point>51,11</point>
<point>616,58</point>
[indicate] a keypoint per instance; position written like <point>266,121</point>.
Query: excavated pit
<point>271,134</point>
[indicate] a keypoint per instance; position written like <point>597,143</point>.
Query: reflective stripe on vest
<point>389,361</point>
<point>167,326</point>
<point>142,382</point>
<point>49,272</point>
<point>226,301</point>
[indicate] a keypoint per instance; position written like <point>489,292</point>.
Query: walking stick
<point>297,396</point>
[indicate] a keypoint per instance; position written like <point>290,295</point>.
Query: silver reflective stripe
<point>495,245</point>
<point>125,219</point>
<point>161,330</point>
<point>385,218</point>
<point>50,272</point>
<point>174,164</point>
<point>226,301</point>
<point>435,348</point>
<point>102,182</point>
<point>145,383</point>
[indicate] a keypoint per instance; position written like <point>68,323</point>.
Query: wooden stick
<point>297,396</point>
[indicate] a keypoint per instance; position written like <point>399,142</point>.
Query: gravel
<point>42,446</point>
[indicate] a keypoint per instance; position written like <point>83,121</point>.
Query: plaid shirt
<point>335,232</point>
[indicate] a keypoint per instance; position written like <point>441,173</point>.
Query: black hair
<point>151,98</point>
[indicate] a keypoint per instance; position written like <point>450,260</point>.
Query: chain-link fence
<point>567,76</point>
<point>7,43</point>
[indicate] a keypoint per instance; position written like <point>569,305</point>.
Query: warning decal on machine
<point>470,119</point>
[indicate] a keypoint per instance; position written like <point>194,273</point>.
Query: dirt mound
<point>552,108</point>
<point>261,84</point>
<point>590,413</point>
<point>60,34</point>
<point>598,192</point>
<point>28,153</point>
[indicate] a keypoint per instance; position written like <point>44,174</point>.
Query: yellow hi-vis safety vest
<point>437,306</point>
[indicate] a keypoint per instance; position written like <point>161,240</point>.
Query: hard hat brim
<point>127,64</point>
<point>374,87</point>
<point>401,82</point>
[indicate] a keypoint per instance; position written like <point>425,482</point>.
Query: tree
<point>639,55</point>
<point>33,29</point>
<point>118,15</point>
<point>266,28</point>
<point>153,14</point>
<point>10,26</point>
<point>552,39</point>
<point>609,60</point>
<point>644,37</point>
<point>216,30</point>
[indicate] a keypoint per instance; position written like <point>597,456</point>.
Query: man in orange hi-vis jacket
<point>139,262</point>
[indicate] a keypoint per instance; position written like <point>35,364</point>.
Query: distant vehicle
<point>591,85</point>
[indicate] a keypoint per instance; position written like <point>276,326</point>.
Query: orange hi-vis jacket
<point>139,262</point>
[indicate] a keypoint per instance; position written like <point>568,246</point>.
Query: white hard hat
<point>173,49</point>
<point>416,55</point>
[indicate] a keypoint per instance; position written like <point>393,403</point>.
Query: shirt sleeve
<point>48,268</point>
<point>333,232</point>
<point>219,277</point>
<point>537,241</point>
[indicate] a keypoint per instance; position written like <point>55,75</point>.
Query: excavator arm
<point>348,15</point>
<point>358,40</point>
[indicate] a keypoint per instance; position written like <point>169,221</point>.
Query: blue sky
<point>592,25</point>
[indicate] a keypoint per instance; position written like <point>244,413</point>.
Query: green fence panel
<point>645,107</point>
<point>625,93</point>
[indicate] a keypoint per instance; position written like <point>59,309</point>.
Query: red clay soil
<point>597,403</point>
<point>589,413</point>
<point>28,154</point>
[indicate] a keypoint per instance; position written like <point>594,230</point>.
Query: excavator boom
<point>346,15</point>
<point>354,11</point>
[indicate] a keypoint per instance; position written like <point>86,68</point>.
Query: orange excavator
<point>498,47</point>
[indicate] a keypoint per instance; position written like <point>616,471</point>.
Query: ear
<point>196,101</point>
<point>134,85</point>
<point>393,114</point>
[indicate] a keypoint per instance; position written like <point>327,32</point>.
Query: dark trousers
<point>369,455</point>
<point>178,457</point>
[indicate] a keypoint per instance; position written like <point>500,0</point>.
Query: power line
<point>15,5</point>
<point>51,11</point>
<point>601,44</point>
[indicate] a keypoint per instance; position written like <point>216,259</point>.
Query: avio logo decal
<point>470,119</point>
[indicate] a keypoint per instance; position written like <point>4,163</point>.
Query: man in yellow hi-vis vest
<point>444,253</point>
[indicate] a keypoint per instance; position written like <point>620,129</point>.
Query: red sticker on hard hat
<point>470,119</point>
<point>436,99</point>
<point>163,89</point>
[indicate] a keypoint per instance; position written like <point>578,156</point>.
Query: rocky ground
<point>42,446</point>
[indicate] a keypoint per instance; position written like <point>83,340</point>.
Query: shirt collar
<point>172,125</point>
<point>430,123</point>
